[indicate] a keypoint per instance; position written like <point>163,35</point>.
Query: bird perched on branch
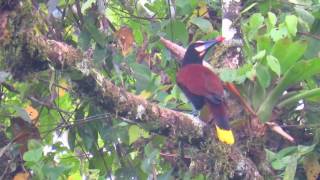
<point>204,88</point>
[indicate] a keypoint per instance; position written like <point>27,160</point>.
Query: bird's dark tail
<point>223,129</point>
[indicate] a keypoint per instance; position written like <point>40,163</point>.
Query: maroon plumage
<point>203,87</point>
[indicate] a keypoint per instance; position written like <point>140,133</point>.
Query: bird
<point>204,89</point>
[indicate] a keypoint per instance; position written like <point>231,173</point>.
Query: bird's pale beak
<point>208,44</point>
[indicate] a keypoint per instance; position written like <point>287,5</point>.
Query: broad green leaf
<point>300,71</point>
<point>86,5</point>
<point>84,40</point>
<point>286,152</point>
<point>53,172</point>
<point>291,168</point>
<point>282,158</point>
<point>279,33</point>
<point>274,64</point>
<point>176,31</point>
<point>258,95</point>
<point>280,164</point>
<point>143,76</point>
<point>94,32</point>
<point>114,133</point>
<point>185,7</point>
<point>88,135</point>
<point>99,54</point>
<point>135,132</point>
<point>288,52</point>
<point>33,155</point>
<point>264,43</point>
<point>263,76</point>
<point>270,155</point>
<point>259,55</point>
<point>292,22</point>
<point>256,21</point>
<point>303,150</point>
<point>138,30</point>
<point>150,161</point>
<point>272,19</point>
<point>203,24</point>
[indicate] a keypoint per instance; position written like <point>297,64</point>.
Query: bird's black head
<point>196,51</point>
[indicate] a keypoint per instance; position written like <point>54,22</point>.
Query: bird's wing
<point>201,81</point>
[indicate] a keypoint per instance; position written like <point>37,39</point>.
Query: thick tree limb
<point>117,101</point>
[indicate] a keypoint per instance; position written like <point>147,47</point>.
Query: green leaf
<point>300,95</point>
<point>86,5</point>
<point>300,71</point>
<point>84,40</point>
<point>270,155</point>
<point>150,161</point>
<point>143,76</point>
<point>258,96</point>
<point>274,64</point>
<point>185,7</point>
<point>176,31</point>
<point>72,138</point>
<point>94,32</point>
<point>291,168</point>
<point>34,144</point>
<point>288,52</point>
<point>279,33</point>
<point>256,21</point>
<point>264,43</point>
<point>259,55</point>
<point>33,155</point>
<point>135,132</point>
<point>303,150</point>
<point>99,55</point>
<point>88,135</point>
<point>22,113</point>
<point>203,24</point>
<point>53,172</point>
<point>280,164</point>
<point>263,76</point>
<point>282,158</point>
<point>292,22</point>
<point>272,19</point>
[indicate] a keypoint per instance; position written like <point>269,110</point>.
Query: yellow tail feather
<point>225,136</point>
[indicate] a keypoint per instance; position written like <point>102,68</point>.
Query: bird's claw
<point>196,113</point>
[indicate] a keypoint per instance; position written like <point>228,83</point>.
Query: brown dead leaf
<point>23,131</point>
<point>125,39</point>
<point>21,176</point>
<point>32,113</point>
<point>311,166</point>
